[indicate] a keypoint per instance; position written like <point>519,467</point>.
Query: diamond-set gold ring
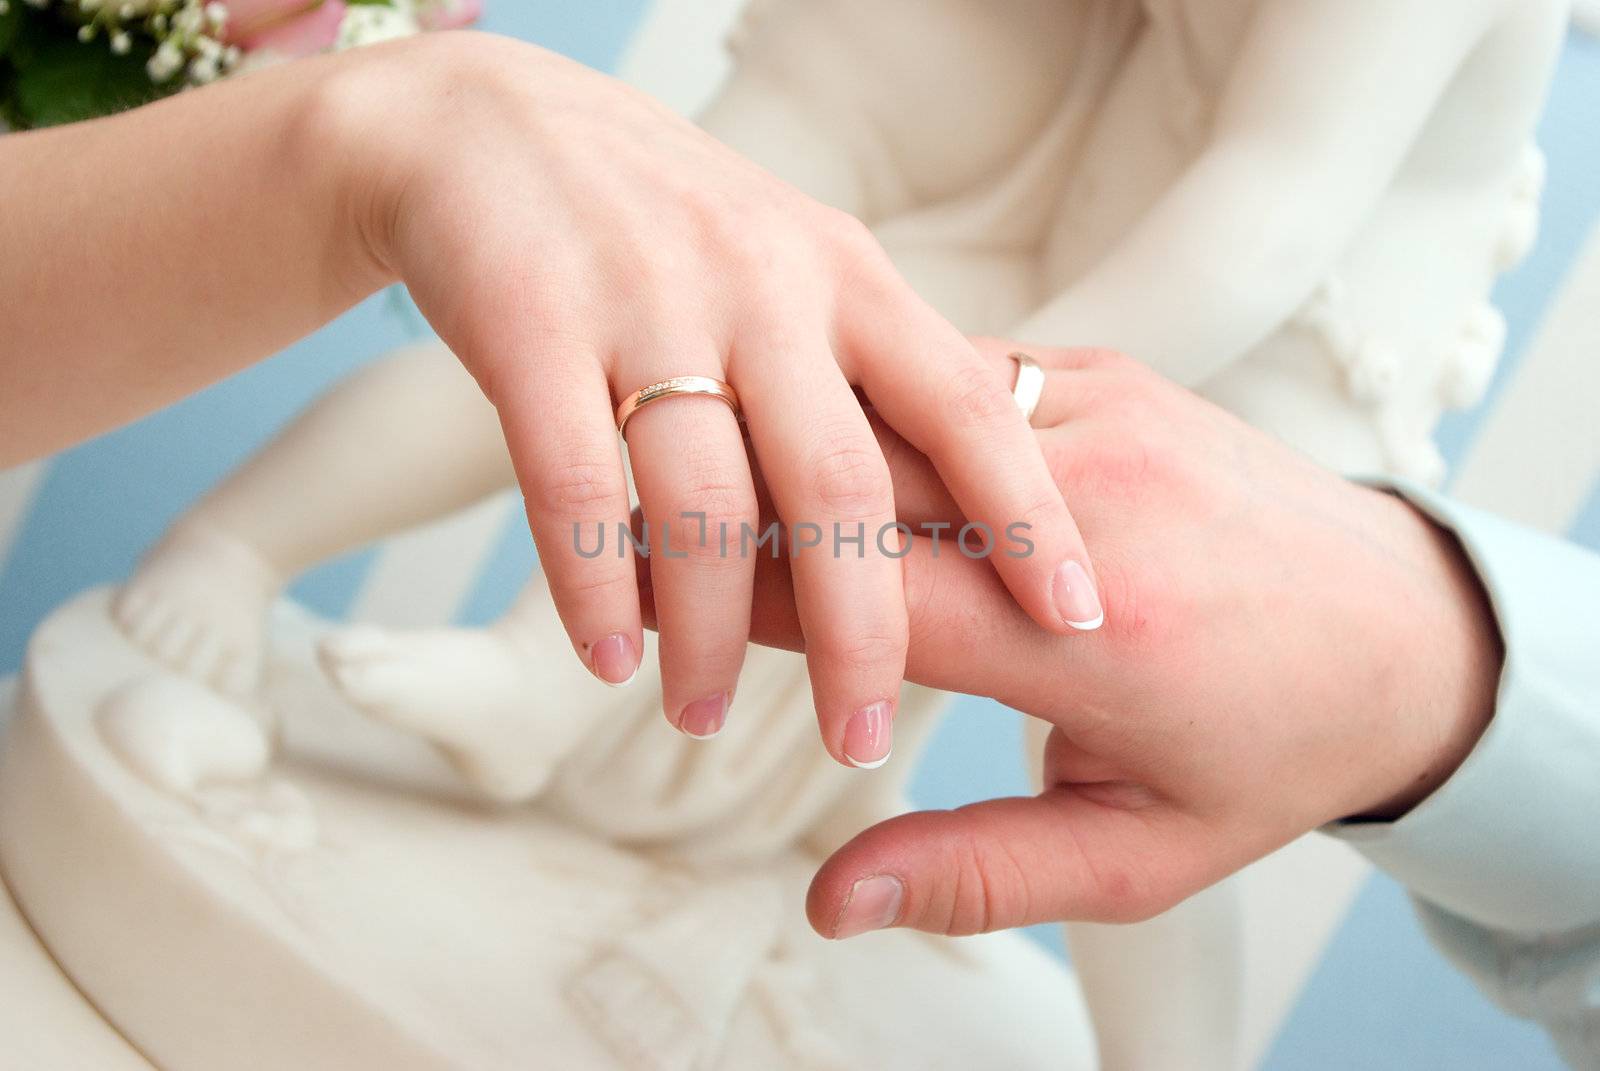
<point>677,386</point>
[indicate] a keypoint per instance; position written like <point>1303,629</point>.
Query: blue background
<point>1380,998</point>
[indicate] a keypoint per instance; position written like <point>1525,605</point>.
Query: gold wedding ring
<point>675,387</point>
<point>1029,387</point>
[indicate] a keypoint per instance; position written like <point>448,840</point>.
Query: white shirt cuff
<point>1512,840</point>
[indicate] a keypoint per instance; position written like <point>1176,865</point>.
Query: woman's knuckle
<point>1040,513</point>
<point>850,479</point>
<point>974,397</point>
<point>720,499</point>
<point>581,488</point>
<point>742,227</point>
<point>707,515</point>
<point>591,583</point>
<point>863,266</point>
<point>655,271</point>
<point>864,650</point>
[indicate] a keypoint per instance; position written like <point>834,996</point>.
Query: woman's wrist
<point>346,160</point>
<point>367,119</point>
<point>387,121</point>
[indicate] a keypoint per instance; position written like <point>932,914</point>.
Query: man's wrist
<point>1448,655</point>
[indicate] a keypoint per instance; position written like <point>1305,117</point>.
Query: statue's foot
<point>662,990</point>
<point>475,694</point>
<point>198,603</point>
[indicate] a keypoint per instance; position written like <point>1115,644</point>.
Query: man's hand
<point>1282,648</point>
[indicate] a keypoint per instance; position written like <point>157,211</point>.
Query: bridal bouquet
<point>65,60</point>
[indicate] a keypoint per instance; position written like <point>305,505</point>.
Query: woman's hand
<point>1282,649</point>
<point>574,241</point>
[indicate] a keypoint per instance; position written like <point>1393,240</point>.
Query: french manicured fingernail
<point>1075,597</point>
<point>614,660</point>
<point>704,718</point>
<point>869,735</point>
<point>873,904</point>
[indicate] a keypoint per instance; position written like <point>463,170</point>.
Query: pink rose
<point>301,34</point>
<point>248,17</point>
<point>451,14</point>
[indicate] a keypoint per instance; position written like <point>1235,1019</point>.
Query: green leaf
<point>9,23</point>
<point>64,80</point>
<point>32,27</point>
<point>9,119</point>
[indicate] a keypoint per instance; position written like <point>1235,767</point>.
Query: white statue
<point>1296,208</point>
<point>338,900</point>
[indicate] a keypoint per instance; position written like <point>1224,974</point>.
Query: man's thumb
<point>1065,854</point>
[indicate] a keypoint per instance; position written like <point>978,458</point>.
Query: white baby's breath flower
<point>369,24</point>
<point>121,43</point>
<point>166,62</point>
<point>203,70</point>
<point>188,20</point>
<point>217,14</point>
